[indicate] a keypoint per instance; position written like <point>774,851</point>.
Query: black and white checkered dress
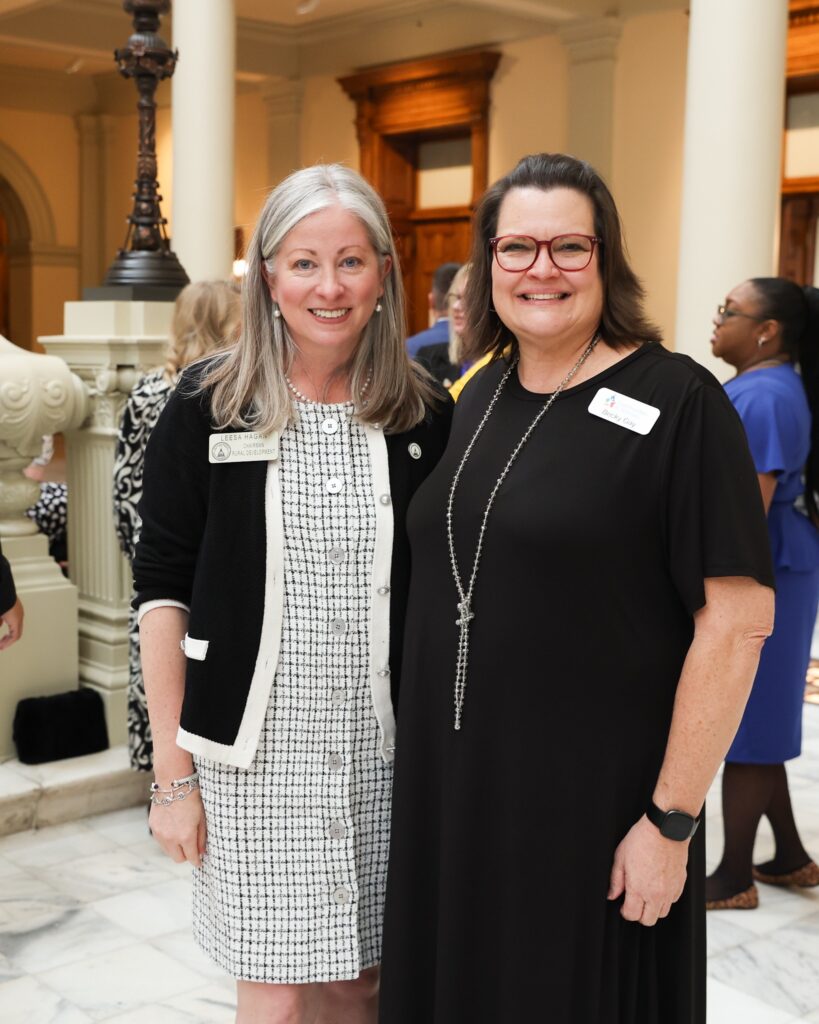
<point>292,885</point>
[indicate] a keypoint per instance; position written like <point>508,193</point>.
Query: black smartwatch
<point>676,825</point>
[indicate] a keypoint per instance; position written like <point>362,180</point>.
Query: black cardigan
<point>8,595</point>
<point>203,543</point>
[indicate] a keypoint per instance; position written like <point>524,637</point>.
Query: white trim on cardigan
<point>379,666</point>
<point>162,602</point>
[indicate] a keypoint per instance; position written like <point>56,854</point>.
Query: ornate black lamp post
<point>145,267</point>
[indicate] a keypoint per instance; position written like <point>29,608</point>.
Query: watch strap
<point>673,824</point>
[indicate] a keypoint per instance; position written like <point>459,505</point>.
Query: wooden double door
<point>399,107</point>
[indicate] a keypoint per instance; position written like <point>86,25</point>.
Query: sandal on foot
<point>804,877</point>
<point>748,899</point>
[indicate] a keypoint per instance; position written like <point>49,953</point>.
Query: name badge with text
<point>246,446</point>
<point>624,411</point>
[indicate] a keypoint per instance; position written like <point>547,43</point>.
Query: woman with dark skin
<point>765,328</point>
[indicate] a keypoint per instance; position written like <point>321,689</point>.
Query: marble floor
<point>95,926</point>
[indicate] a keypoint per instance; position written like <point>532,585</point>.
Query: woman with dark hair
<point>591,589</point>
<point>766,328</point>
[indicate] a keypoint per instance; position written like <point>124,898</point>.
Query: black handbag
<point>63,725</point>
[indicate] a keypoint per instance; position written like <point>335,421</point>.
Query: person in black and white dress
<point>205,318</point>
<point>274,550</point>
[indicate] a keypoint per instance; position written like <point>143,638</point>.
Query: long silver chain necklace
<point>465,613</point>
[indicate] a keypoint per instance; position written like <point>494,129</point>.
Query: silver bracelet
<point>178,790</point>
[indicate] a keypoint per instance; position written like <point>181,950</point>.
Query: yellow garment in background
<point>458,386</point>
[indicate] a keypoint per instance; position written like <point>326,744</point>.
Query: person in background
<point>446,360</point>
<point>50,511</point>
<point>439,332</point>
<point>765,329</point>
<point>206,318</point>
<point>11,609</point>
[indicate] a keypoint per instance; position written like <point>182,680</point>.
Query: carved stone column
<point>108,345</point>
<point>38,395</point>
<point>732,169</point>
<point>204,90</point>
<point>283,102</point>
<point>592,48</point>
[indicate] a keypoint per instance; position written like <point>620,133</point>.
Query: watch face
<point>678,825</point>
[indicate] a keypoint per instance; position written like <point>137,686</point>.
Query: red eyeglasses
<point>516,253</point>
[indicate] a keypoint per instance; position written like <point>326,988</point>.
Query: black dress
<point>593,565</point>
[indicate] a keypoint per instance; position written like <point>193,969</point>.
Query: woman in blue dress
<point>767,327</point>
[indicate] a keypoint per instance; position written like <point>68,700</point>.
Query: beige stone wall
<point>327,123</point>
<point>529,111</point>
<point>649,106</point>
<point>48,144</point>
<point>252,183</point>
<point>45,151</point>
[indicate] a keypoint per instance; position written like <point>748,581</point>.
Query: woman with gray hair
<point>274,553</point>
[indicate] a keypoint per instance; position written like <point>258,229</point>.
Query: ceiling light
<point>306,6</point>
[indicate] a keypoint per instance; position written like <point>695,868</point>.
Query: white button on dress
<point>337,830</point>
<point>333,484</point>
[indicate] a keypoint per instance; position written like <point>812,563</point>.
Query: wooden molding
<point>444,92</point>
<point>803,46</point>
<point>796,186</point>
<point>442,213</point>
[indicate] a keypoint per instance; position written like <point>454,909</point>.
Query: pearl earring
<point>378,307</point>
<point>762,341</point>
<point>277,312</point>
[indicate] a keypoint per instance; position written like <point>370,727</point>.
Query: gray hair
<point>247,385</point>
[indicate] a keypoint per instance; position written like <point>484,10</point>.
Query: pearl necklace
<point>465,613</point>
<point>309,401</point>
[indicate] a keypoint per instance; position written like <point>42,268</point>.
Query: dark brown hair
<point>796,310</point>
<point>623,320</point>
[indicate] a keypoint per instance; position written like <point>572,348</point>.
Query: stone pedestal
<point>108,345</point>
<point>38,395</point>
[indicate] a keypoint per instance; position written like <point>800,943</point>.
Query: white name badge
<point>247,446</point>
<point>624,411</point>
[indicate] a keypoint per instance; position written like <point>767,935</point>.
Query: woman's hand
<point>13,618</point>
<point>180,828</point>
<point>650,870</point>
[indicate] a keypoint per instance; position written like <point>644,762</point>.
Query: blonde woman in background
<point>206,318</point>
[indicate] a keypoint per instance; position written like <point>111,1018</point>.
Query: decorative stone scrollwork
<point>38,395</point>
